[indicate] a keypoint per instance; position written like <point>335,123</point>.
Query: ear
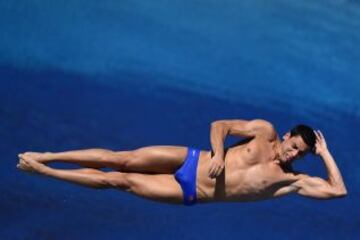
<point>286,136</point>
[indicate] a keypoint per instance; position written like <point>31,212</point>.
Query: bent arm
<point>334,176</point>
<point>316,187</point>
<point>320,188</point>
<point>220,129</point>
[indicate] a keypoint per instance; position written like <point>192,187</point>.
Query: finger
<point>211,172</point>
<point>221,168</point>
<point>320,135</point>
<point>316,134</point>
<point>318,138</point>
<point>212,167</point>
<point>215,169</point>
<point>218,172</point>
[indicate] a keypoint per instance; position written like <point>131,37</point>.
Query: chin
<point>285,161</point>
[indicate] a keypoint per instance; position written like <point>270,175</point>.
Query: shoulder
<point>264,128</point>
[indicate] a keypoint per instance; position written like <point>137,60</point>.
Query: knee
<point>128,182</point>
<point>100,182</point>
<point>121,160</point>
<point>139,154</point>
<point>100,153</point>
<point>112,156</point>
<point>119,180</point>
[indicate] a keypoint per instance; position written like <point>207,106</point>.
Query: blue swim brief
<point>186,176</point>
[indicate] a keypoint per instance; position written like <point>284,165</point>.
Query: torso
<point>250,174</point>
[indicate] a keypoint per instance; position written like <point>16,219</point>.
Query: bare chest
<point>256,182</point>
<point>251,154</point>
<point>251,174</point>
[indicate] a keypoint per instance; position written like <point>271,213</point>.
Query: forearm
<point>218,134</point>
<point>334,176</point>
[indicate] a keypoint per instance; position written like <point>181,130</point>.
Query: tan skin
<point>247,172</point>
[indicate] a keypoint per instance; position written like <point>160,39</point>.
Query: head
<point>296,143</point>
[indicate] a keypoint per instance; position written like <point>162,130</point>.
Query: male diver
<point>257,168</point>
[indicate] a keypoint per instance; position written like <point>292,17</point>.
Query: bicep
<point>314,187</point>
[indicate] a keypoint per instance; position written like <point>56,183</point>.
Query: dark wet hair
<point>306,133</point>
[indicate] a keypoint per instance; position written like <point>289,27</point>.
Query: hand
<point>320,145</point>
<point>216,166</point>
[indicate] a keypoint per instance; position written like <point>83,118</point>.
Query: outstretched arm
<point>317,187</point>
<point>220,129</point>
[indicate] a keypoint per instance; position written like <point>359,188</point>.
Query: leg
<point>87,176</point>
<point>152,159</point>
<point>161,187</point>
<point>94,158</point>
<point>158,187</point>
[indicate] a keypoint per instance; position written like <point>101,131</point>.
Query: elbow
<point>343,193</point>
<point>220,127</point>
<point>217,124</point>
<point>340,193</point>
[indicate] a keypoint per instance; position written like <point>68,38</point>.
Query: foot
<point>36,156</point>
<point>31,166</point>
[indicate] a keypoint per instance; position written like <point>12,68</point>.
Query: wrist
<point>324,153</point>
<point>218,154</point>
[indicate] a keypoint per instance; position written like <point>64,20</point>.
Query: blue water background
<point>126,74</point>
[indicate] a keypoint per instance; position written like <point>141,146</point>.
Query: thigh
<point>156,159</point>
<point>157,187</point>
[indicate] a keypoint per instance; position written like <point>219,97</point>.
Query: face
<point>292,148</point>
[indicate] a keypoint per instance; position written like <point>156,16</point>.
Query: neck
<point>278,153</point>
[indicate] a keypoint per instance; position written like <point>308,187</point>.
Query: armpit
<point>285,190</point>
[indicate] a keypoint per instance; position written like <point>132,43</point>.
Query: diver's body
<point>254,170</point>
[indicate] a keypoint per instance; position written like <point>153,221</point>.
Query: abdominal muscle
<point>241,180</point>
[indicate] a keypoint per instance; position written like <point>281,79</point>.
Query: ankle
<point>48,156</point>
